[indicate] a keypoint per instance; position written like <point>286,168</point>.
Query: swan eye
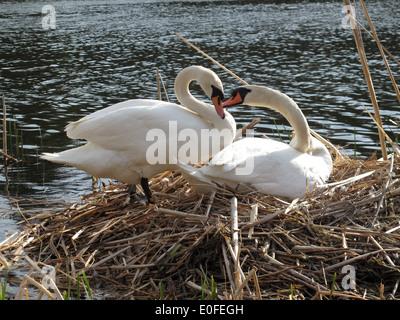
<point>216,92</point>
<point>241,91</point>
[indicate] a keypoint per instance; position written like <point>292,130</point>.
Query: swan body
<point>117,136</point>
<point>269,166</point>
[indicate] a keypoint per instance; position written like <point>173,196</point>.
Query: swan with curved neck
<point>271,167</point>
<point>117,136</point>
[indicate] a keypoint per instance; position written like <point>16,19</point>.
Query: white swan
<point>269,166</point>
<point>118,140</point>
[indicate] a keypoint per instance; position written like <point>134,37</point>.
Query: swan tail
<point>196,179</point>
<point>70,156</point>
<point>52,157</point>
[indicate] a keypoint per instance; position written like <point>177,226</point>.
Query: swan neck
<point>204,110</point>
<point>182,92</point>
<point>290,110</point>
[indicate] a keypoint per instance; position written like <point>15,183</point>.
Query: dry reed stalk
<point>394,145</point>
<point>4,131</point>
<point>253,218</point>
<point>182,214</point>
<point>377,41</point>
<point>235,245</point>
<point>159,82</point>
<point>213,60</point>
<point>367,75</point>
<point>42,289</point>
<point>158,85</point>
<point>384,190</point>
<point>4,151</point>
<point>381,50</point>
<point>3,260</point>
<point>243,130</point>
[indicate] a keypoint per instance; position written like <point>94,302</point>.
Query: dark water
<point>103,52</point>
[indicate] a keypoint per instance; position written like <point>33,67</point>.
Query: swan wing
<point>126,127</point>
<point>243,151</point>
<point>81,129</point>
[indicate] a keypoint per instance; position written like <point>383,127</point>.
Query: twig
<point>257,285</point>
<point>360,257</point>
<point>384,253</point>
<point>310,282</point>
<point>263,220</point>
<point>244,283</point>
<point>109,257</point>
<point>160,80</point>
<point>270,216</point>
<point>235,242</point>
<point>395,147</point>
<point>165,90</point>
<point>253,218</point>
<point>227,264</point>
<point>235,229</point>
<point>383,192</point>
<point>338,294</point>
<point>212,196</point>
<point>207,56</point>
<point>243,130</point>
<point>39,286</point>
<point>3,260</point>
<point>182,214</point>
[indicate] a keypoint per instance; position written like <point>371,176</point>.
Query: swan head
<point>238,96</point>
<point>260,96</point>
<point>217,96</point>
<point>213,88</point>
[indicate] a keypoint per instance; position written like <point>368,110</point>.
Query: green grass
<point>171,255</point>
<point>332,286</point>
<point>206,292</point>
<point>81,282</point>
<point>15,142</point>
<point>288,133</point>
<point>161,291</point>
<point>3,289</point>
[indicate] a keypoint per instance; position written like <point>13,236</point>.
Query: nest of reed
<point>228,245</point>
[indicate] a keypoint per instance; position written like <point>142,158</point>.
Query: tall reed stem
<point>381,50</point>
<point>4,132</point>
<point>367,75</point>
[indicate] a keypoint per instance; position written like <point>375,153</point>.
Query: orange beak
<point>232,101</point>
<point>218,106</point>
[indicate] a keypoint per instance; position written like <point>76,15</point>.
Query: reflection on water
<point>103,52</point>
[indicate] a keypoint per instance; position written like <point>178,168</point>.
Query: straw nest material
<point>228,245</point>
